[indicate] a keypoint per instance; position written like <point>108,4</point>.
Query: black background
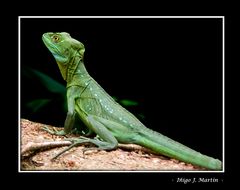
<point>172,66</point>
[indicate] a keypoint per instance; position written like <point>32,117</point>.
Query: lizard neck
<point>80,71</point>
<point>75,68</point>
<point>76,72</point>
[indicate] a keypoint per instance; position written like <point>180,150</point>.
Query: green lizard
<point>102,115</point>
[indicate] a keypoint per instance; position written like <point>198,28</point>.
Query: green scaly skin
<point>102,115</point>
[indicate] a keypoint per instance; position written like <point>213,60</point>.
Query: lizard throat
<point>63,70</point>
<point>72,70</point>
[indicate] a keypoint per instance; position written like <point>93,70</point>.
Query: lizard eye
<point>55,38</point>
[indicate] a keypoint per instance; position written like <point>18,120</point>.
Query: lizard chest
<point>94,102</point>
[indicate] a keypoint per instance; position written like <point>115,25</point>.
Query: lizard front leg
<point>70,119</point>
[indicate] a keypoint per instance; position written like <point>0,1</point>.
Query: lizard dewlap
<point>103,116</point>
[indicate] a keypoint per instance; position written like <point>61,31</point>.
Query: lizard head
<point>64,48</point>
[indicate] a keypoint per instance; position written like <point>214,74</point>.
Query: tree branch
<point>31,146</point>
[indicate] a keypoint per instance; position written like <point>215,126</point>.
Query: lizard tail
<point>163,145</point>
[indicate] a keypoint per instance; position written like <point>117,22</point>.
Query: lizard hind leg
<point>107,142</point>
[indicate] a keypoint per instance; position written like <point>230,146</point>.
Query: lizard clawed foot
<point>88,140</point>
<point>75,142</point>
<point>54,131</point>
<point>78,141</point>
